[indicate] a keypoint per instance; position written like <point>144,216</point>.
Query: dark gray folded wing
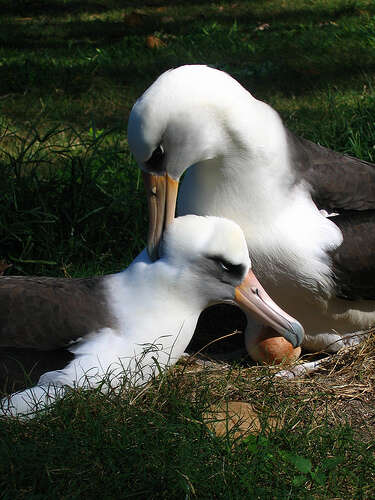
<point>48,313</point>
<point>337,182</point>
<point>354,261</point>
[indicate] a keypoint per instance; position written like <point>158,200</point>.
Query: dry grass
<point>341,391</point>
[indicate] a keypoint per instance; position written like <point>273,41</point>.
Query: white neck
<point>253,156</point>
<point>253,184</point>
<point>150,304</point>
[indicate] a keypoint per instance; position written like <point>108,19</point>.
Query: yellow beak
<point>161,191</point>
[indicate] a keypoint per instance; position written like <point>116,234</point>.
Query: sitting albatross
<point>126,320</point>
<point>242,163</point>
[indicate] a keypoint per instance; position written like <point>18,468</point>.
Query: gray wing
<point>354,262</point>
<point>337,182</point>
<point>343,184</point>
<point>48,313</point>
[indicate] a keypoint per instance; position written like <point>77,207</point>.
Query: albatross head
<point>182,119</point>
<point>213,261</point>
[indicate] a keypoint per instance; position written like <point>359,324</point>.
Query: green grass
<point>72,204</point>
<point>69,198</point>
<point>79,59</point>
<point>155,444</point>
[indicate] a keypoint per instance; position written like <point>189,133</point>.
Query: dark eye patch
<point>155,162</point>
<point>236,270</point>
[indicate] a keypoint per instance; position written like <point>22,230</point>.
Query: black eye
<point>234,269</point>
<point>155,162</point>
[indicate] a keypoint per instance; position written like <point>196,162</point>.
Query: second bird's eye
<point>228,267</point>
<point>224,266</point>
<point>155,162</point>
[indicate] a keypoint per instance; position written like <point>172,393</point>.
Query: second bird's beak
<point>251,297</point>
<point>161,191</point>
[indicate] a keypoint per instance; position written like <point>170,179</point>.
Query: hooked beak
<point>252,298</point>
<point>161,191</point>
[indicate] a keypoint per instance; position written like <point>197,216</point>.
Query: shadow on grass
<point>74,68</point>
<point>253,8</point>
<point>22,368</point>
<point>144,19</point>
<point>131,63</point>
<point>27,8</point>
<point>290,57</point>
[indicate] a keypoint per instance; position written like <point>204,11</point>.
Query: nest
<point>340,391</point>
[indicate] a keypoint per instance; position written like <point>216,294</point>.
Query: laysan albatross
<point>128,320</point>
<point>242,163</point>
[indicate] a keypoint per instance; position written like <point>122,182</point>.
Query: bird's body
<point>105,340</point>
<point>295,251</point>
<point>242,163</point>
<point>130,322</point>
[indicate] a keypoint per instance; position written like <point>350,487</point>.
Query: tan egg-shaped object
<point>270,348</point>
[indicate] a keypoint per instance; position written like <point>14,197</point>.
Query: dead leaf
<point>239,415</point>
<point>153,42</point>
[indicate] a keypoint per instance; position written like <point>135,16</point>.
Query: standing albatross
<point>242,163</point>
<point>128,320</point>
